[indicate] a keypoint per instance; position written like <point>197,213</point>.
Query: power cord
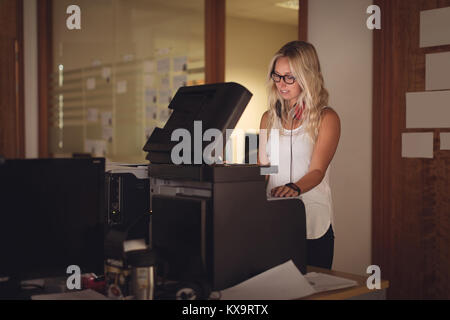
<point>291,184</point>
<point>290,173</point>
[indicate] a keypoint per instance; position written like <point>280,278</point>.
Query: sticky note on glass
<point>90,83</point>
<point>122,87</point>
<point>107,134</point>
<point>164,65</point>
<point>150,96</point>
<point>151,112</point>
<point>180,64</point>
<point>417,145</point>
<point>106,119</point>
<point>106,73</point>
<point>164,83</point>
<point>92,115</point>
<point>100,148</point>
<point>89,146</point>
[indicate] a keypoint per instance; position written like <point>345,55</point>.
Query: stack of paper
<point>325,282</point>
<point>284,282</point>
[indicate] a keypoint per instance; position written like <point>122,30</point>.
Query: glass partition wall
<point>113,79</point>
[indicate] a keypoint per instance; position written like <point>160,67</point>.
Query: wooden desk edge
<point>341,294</point>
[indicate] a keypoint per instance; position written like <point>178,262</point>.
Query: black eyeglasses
<point>288,79</point>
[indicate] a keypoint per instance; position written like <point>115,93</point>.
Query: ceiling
<point>262,10</point>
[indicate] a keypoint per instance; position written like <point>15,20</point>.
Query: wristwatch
<point>294,187</point>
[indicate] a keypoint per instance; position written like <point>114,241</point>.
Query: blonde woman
<point>308,137</point>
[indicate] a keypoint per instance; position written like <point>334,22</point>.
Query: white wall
<point>250,45</point>
<point>31,78</point>
<point>338,31</point>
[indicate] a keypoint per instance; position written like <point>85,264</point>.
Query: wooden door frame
<point>215,12</point>
<point>20,93</point>
<point>45,62</point>
<point>382,134</point>
<point>303,20</point>
<point>12,31</point>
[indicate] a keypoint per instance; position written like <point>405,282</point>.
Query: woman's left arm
<point>323,152</point>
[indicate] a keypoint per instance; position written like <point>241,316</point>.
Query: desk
<point>359,292</point>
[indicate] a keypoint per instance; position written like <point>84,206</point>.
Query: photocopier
<point>213,221</point>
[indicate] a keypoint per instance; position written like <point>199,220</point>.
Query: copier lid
<point>217,106</point>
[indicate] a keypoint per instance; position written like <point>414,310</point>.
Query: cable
<point>292,125</point>
<point>293,114</point>
<point>297,115</point>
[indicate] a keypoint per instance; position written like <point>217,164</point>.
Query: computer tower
<point>128,200</point>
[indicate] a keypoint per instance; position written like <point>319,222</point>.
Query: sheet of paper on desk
<point>76,295</point>
<point>325,282</point>
<point>283,282</point>
<point>34,282</point>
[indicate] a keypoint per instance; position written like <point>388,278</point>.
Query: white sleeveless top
<point>318,202</point>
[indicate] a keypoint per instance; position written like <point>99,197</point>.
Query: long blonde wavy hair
<point>305,67</point>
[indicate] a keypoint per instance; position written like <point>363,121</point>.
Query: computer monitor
<point>52,216</point>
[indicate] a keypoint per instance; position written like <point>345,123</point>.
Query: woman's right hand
<point>283,192</point>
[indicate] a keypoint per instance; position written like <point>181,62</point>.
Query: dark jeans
<point>319,252</point>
